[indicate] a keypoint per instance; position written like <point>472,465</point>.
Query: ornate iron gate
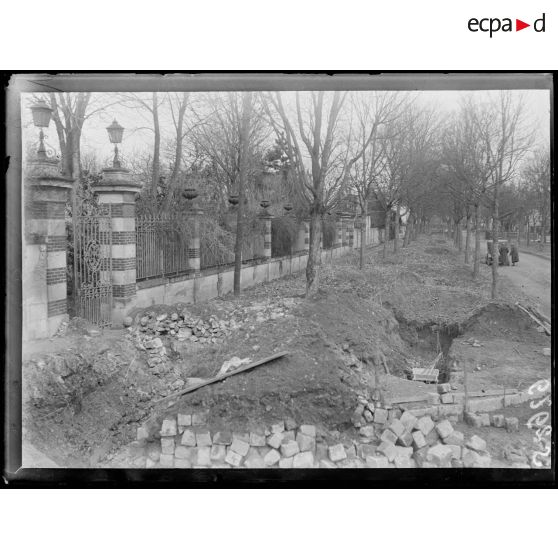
<point>93,264</point>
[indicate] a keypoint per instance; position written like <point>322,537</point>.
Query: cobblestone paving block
<point>406,439</point>
<point>303,460</point>
<point>278,427</point>
<point>308,430</point>
<point>257,440</point>
<point>275,440</point>
<point>366,450</point>
<point>182,463</point>
<point>289,448</point>
<point>218,452</point>
<point>289,436</point>
<point>397,427</point>
<point>154,451</point>
<point>233,458</point>
<point>254,460</point>
<point>271,458</point>
<point>444,388</point>
<point>484,419</point>
<point>286,463</point>
<point>432,437</point>
<point>456,438</point>
<point>409,420</point>
<point>380,416</point>
<point>327,464</point>
<point>222,438</point>
<point>418,439</point>
<point>240,446</point>
<point>203,439</point>
<point>305,443</point>
<point>444,428</point>
<point>387,449</point>
<point>183,452</point>
<point>367,431</point>
<point>447,398</point>
<point>337,453</point>
<point>243,436</point>
<point>425,425</point>
<point>388,436</point>
<point>188,438</point>
<point>167,446</point>
<point>440,454</point>
<point>184,420</point>
<point>168,427</point>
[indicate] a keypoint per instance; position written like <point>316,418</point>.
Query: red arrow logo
<point>519,25</point>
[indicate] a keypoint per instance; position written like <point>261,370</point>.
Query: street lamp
<point>41,118</point>
<point>115,132</point>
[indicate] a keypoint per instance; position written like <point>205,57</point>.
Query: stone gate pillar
<point>44,258</point>
<point>118,191</point>
<point>194,255</point>
<point>265,217</point>
<point>338,233</point>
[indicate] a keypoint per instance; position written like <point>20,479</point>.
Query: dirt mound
<point>502,320</point>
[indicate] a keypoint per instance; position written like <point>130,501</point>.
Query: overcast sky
<point>137,138</point>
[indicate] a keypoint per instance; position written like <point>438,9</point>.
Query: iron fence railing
<point>161,247</point>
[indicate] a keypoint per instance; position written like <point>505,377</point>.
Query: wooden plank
<point>534,318</point>
<point>244,368</point>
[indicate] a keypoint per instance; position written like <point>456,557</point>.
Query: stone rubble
<point>386,437</point>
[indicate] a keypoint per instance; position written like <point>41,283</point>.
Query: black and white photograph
<point>285,272</point>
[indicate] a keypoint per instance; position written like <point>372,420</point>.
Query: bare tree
<point>320,158</point>
<point>372,111</point>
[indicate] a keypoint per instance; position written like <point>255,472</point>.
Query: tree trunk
<point>387,231</point>
<point>468,238</point>
<point>528,232</point>
<point>396,231</point>
<point>459,236</point>
<point>495,254</point>
<point>314,253</point>
<point>476,260</point>
<point>362,243</point>
<point>408,230</point>
<point>243,176</point>
<point>156,148</point>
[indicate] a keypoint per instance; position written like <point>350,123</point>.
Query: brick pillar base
<point>44,258</point>
<point>118,191</point>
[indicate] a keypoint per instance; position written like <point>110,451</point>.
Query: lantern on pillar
<point>115,132</point>
<point>41,118</point>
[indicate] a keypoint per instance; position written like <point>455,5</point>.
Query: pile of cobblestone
<point>399,440</point>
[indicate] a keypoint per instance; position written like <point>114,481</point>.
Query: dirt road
<point>532,276</point>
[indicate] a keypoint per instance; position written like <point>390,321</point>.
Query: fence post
<point>118,191</point>
<point>44,256</point>
<point>265,217</point>
<point>194,255</point>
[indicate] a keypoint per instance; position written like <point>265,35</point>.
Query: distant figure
<point>504,259</point>
<point>514,254</point>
